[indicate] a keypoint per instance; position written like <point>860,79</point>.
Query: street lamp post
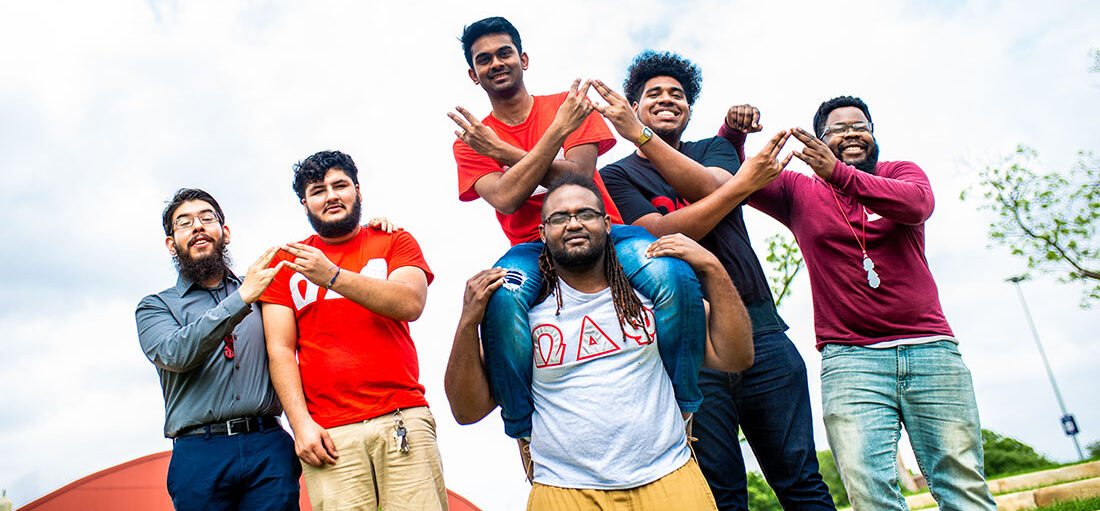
<point>1069,424</point>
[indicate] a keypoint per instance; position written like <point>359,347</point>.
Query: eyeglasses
<point>843,129</point>
<point>583,216</point>
<point>204,218</point>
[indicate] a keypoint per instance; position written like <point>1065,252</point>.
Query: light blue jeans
<point>869,393</point>
<point>668,282</point>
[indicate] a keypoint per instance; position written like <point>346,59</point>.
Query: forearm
<point>465,380</point>
<point>513,187</point>
<point>737,138</point>
<point>287,380</point>
<point>905,197</point>
<point>729,340</point>
<point>690,179</point>
<point>510,155</point>
<point>181,348</point>
<point>696,220</point>
<point>394,299</point>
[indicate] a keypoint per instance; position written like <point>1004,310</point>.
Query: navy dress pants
<point>248,472</point>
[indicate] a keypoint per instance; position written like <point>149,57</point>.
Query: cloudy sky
<point>107,107</point>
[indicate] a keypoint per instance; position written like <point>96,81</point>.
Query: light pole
<point>1069,424</point>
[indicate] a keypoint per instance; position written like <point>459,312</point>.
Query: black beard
<point>577,261</point>
<point>869,163</point>
<point>200,270</point>
<point>338,228</point>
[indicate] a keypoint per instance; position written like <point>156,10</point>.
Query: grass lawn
<point>1089,504</point>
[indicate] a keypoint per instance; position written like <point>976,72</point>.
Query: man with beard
<point>606,432</point>
<point>342,359</point>
<point>771,400</point>
<point>888,356</point>
<point>206,339</point>
<point>508,158</point>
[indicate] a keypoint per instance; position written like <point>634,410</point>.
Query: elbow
<point>411,311</point>
<point>745,358</point>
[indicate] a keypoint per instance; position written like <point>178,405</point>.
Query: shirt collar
<point>184,284</point>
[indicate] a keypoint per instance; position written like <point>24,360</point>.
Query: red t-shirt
<point>523,225</point>
<point>355,364</point>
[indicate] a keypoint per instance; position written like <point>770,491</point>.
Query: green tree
<point>1093,450</point>
<point>1006,455</point>
<point>761,496</point>
<point>1048,219</point>
<point>827,467</point>
<point>785,260</point>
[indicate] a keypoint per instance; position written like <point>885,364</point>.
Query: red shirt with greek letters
<point>355,364</point>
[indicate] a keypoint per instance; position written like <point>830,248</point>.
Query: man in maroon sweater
<point>888,355</point>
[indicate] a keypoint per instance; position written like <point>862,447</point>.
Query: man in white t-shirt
<point>606,431</point>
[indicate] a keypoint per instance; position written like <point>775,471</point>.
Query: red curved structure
<point>140,484</point>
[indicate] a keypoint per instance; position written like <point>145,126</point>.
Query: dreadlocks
<point>628,308</point>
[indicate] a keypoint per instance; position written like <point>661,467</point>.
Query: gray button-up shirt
<point>182,330</point>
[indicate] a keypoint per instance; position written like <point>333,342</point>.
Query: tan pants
<point>683,489</point>
<point>372,472</point>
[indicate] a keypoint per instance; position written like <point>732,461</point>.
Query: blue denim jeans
<point>668,282</point>
<point>248,472</point>
<point>869,393</point>
<point>770,401</point>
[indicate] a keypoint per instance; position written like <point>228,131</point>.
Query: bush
<point>761,496</point>
<point>1093,449</point>
<point>827,466</point>
<point>1006,455</point>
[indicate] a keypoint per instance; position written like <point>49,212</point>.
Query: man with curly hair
<point>342,359</point>
<point>769,401</point>
<point>507,158</point>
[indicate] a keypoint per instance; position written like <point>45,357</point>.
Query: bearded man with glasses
<point>206,338</point>
<point>606,432</point>
<point>888,356</point>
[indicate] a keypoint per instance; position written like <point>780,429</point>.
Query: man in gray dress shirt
<point>206,338</point>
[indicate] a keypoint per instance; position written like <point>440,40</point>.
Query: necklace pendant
<point>872,275</point>
<point>872,279</point>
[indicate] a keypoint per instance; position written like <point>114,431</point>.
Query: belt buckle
<point>230,426</point>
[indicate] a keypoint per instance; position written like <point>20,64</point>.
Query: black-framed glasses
<point>583,216</point>
<point>186,222</point>
<point>843,129</point>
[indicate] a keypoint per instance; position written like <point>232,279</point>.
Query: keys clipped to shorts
<point>399,431</point>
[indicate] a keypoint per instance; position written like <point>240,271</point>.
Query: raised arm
<point>507,191</point>
<point>697,219</point>
<point>401,296</point>
<point>904,197</point>
<point>311,442</point>
<point>729,330</point>
<point>466,381</point>
<point>177,347</point>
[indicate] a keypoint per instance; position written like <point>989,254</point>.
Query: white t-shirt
<point>605,413</point>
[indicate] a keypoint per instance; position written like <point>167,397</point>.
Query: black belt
<point>233,426</point>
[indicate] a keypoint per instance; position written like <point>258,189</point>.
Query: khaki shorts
<point>683,489</point>
<point>372,472</point>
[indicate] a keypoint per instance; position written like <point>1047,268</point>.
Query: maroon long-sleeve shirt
<point>898,199</point>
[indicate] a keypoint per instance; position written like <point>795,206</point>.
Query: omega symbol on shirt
<point>306,294</point>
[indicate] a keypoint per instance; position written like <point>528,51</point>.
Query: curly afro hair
<point>649,64</point>
<point>832,104</point>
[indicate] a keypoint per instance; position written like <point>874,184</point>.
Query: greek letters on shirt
<point>595,340</point>
<point>304,295</point>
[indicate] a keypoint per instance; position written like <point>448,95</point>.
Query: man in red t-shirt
<point>508,158</point>
<point>342,361</point>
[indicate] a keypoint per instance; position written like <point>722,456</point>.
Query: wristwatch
<point>646,135</point>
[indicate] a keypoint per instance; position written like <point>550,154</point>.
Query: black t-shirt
<point>639,190</point>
